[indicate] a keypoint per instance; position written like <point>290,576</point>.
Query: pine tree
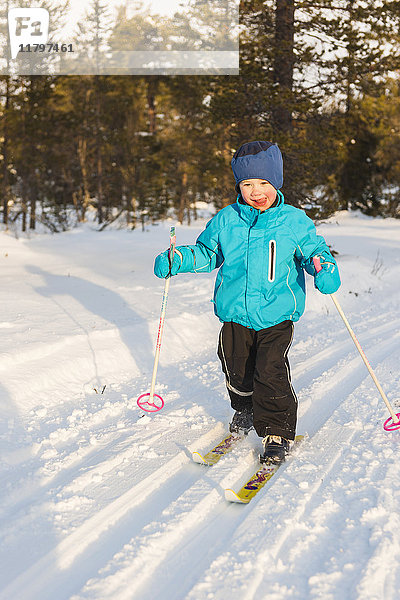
<point>92,40</point>
<point>358,45</point>
<point>6,87</point>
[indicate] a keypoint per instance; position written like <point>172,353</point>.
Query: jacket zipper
<point>272,261</point>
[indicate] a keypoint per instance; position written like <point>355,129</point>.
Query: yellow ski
<point>256,481</point>
<point>213,456</point>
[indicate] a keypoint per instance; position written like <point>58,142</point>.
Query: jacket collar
<point>253,216</point>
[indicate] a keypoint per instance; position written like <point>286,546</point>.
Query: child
<point>261,247</point>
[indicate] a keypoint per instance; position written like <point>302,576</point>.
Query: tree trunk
<point>6,186</point>
<point>284,59</point>
<point>189,216</point>
<point>24,205</point>
<point>133,205</point>
<point>84,161</point>
<point>98,137</point>
<point>347,167</point>
<point>182,202</point>
<point>84,201</point>
<point>152,85</point>
<point>351,44</point>
<point>32,209</point>
<point>100,215</point>
<point>31,197</point>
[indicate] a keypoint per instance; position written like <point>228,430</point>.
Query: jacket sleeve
<point>205,255</point>
<point>310,244</point>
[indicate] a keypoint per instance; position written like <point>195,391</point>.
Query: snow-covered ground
<point>99,501</point>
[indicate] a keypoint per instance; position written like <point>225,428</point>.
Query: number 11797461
<point>46,48</point>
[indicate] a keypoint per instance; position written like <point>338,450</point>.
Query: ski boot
<point>242,421</point>
<point>275,449</point>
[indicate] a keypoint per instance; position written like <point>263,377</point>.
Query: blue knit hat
<point>258,160</point>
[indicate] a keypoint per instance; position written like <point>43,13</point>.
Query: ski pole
<point>395,418</point>
<point>149,405</point>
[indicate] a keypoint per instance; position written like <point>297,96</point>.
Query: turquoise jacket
<point>261,257</point>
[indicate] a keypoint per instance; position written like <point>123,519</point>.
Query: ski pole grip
<point>317,263</point>
<point>171,250</point>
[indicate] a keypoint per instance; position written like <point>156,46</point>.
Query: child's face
<point>258,193</point>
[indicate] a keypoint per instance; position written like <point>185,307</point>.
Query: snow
<point>99,501</point>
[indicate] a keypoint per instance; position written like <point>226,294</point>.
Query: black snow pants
<point>257,373</point>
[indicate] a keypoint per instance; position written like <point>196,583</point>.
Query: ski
<point>257,480</point>
<point>222,448</point>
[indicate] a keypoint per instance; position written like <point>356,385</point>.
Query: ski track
<point>181,530</point>
<point>39,578</point>
<point>334,353</point>
<point>115,506</point>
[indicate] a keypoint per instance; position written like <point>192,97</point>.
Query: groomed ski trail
<point>99,501</point>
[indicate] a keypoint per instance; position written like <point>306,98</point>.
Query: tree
<point>358,46</point>
<point>284,63</point>
<point>144,146</point>
<point>92,39</point>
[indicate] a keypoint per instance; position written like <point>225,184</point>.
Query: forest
<point>318,77</point>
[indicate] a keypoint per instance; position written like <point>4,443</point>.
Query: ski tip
<point>232,496</point>
<point>197,458</point>
<point>208,460</point>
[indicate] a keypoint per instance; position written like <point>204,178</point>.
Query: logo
<point>27,26</point>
